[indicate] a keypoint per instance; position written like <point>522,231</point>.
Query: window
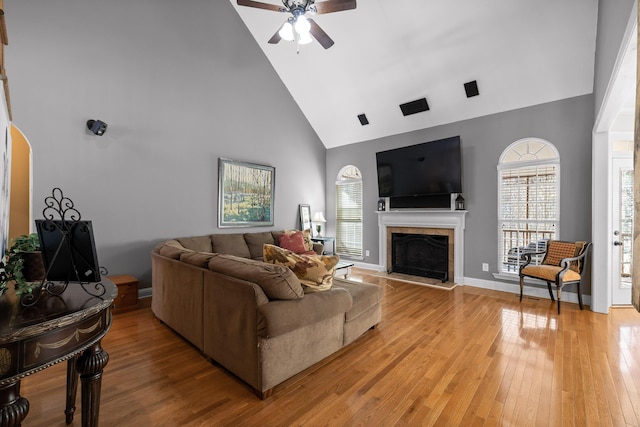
<point>528,200</point>
<point>349,212</point>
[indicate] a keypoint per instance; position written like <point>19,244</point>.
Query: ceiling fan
<point>298,26</point>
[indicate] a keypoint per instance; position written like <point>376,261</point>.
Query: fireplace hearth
<point>424,255</point>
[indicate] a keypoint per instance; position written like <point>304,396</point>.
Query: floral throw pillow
<point>315,272</point>
<point>306,236</point>
<point>294,241</point>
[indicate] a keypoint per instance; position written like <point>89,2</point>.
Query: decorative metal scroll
<point>60,213</point>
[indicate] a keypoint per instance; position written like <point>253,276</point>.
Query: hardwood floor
<point>463,357</point>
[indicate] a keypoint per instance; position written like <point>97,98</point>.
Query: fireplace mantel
<point>436,218</point>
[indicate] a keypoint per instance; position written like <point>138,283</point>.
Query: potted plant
<point>23,263</point>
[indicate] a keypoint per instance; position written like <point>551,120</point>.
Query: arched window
<point>528,200</point>
<point>349,212</point>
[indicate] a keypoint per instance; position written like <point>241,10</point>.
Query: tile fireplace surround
<point>434,219</point>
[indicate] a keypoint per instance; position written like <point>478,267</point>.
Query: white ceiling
<point>389,52</point>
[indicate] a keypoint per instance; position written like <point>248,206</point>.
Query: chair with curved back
<point>563,264</point>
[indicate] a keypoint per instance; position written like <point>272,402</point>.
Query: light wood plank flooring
<point>468,357</point>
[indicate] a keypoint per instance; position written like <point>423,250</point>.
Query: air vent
<point>363,119</point>
<point>471,89</point>
<point>414,107</point>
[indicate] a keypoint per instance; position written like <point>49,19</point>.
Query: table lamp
<point>318,219</point>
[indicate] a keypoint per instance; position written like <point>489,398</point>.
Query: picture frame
<point>245,194</point>
<point>305,217</point>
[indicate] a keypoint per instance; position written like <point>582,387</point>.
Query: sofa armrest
<point>230,324</point>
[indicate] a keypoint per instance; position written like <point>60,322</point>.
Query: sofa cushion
<point>293,241</point>
<point>172,249</point>
<point>276,281</point>
<point>231,244</point>
<point>280,317</point>
<point>196,243</point>
<point>199,259</point>
<point>364,295</point>
<point>314,271</point>
<point>255,241</point>
<point>276,237</point>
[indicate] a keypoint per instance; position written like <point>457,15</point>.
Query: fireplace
<point>448,223</point>
<point>425,255</point>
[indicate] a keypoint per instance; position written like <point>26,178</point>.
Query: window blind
<point>349,218</point>
<point>528,212</point>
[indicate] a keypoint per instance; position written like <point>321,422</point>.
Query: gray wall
<point>180,83</point>
<point>567,124</point>
<point>613,17</point>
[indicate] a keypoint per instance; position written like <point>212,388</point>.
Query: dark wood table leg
<point>13,407</point>
<point>72,387</point>
<point>90,365</point>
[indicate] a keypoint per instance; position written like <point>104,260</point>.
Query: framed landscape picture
<point>245,194</point>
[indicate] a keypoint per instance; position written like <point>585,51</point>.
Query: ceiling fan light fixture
<point>302,25</point>
<point>286,32</point>
<point>305,38</point>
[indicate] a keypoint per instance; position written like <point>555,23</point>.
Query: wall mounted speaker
<point>363,119</point>
<point>414,107</point>
<point>471,88</point>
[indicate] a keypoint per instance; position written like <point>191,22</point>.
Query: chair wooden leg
<point>521,287</point>
<point>550,291</point>
<point>559,296</point>
<point>580,297</point>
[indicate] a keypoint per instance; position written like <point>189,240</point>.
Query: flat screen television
<point>430,168</point>
<point>73,260</point>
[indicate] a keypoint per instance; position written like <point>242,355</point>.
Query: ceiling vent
<point>414,107</point>
<point>471,89</point>
<point>363,119</point>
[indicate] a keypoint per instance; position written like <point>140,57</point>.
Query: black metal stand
<point>62,208</point>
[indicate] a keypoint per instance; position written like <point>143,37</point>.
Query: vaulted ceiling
<point>389,52</point>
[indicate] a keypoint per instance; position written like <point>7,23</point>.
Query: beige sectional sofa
<point>252,317</point>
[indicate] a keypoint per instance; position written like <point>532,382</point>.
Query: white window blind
<point>349,218</point>
<point>528,202</point>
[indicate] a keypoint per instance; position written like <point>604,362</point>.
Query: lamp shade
<point>286,32</point>
<point>305,38</point>
<point>318,217</point>
<point>302,25</point>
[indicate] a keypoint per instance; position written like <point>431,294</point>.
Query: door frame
<point>602,168</point>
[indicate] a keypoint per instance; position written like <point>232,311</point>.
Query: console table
<point>67,327</point>
<point>324,241</point>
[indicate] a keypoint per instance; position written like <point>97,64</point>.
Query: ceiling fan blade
<point>260,5</point>
<point>319,34</point>
<point>334,6</point>
<point>275,39</point>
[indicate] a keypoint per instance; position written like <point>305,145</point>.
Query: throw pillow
<point>293,241</point>
<point>308,244</point>
<point>314,271</point>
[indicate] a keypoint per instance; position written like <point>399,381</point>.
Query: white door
<point>623,231</point>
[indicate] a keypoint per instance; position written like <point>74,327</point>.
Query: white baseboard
<point>368,266</point>
<point>144,293</point>
<point>531,291</point>
<point>513,288</point>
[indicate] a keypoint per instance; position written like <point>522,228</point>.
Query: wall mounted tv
<point>430,168</point>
